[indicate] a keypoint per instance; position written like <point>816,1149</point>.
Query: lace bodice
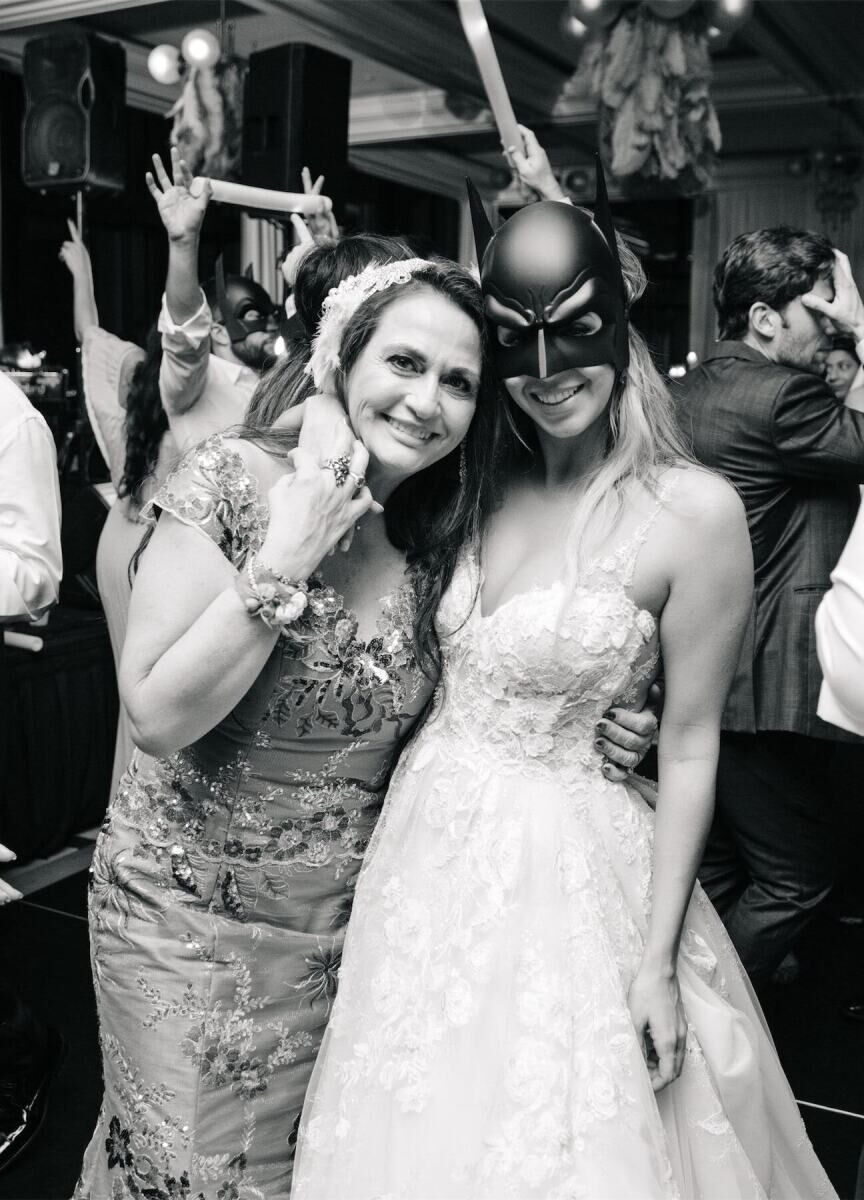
<point>527,682</point>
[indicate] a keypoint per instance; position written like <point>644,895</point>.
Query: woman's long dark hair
<point>146,421</point>
<point>431,515</point>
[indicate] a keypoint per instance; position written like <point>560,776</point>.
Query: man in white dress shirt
<point>30,563</point>
<point>30,571</point>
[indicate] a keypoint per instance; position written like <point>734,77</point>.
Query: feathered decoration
<point>652,78</point>
<point>208,119</point>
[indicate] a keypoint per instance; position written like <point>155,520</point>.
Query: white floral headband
<point>341,304</point>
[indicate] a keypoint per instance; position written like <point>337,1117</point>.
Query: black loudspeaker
<point>74,133</point>
<point>295,115</point>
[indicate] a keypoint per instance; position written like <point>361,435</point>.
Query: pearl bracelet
<point>267,594</point>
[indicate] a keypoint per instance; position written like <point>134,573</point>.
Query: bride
<point>535,1000</point>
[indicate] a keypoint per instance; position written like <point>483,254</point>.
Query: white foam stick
<point>479,39</point>
<point>245,196</point>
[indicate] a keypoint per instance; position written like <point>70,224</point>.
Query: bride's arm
<point>710,574</point>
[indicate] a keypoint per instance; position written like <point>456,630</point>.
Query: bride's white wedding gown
<point>481,1045</point>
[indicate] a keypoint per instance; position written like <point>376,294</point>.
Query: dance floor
<point>43,950</point>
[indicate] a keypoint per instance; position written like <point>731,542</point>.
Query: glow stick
<point>245,196</point>
<point>479,39</point>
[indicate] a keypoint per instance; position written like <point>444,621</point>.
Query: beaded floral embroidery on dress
<point>224,878</point>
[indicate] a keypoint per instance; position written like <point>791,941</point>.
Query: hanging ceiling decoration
<point>649,65</point>
<point>208,114</point>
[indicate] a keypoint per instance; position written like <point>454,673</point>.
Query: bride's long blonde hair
<point>643,439</point>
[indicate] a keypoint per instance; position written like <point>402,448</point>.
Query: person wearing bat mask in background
<point>216,340</point>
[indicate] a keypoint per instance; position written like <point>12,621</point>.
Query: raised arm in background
<point>182,202</point>
<point>185,320</point>
<point>534,169</point>
<point>76,258</point>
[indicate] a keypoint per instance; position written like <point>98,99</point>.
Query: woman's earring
<point>463,467</point>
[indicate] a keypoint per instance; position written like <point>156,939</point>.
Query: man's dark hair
<point>772,265</point>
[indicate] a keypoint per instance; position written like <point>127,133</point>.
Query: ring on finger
<point>359,480</point>
<point>339,466</point>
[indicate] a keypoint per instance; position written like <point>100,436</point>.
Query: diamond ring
<point>339,466</point>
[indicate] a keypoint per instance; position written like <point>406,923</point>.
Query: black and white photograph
<point>431,600</point>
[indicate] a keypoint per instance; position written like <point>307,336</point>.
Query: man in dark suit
<point>758,411</point>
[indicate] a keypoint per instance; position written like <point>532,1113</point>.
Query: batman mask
<point>553,290</point>
<point>244,308</point>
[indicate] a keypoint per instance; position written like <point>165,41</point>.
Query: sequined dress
<point>481,1047</point>
<point>222,882</point>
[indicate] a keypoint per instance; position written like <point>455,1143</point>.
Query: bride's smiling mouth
<point>552,397</point>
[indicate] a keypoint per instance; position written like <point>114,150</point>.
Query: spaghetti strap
<point>665,489</point>
<point>618,565</point>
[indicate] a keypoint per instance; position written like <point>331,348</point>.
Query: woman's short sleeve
<point>212,491</point>
<point>107,366</point>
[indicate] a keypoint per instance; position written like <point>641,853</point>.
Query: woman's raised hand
<point>293,259</point>
<point>313,509</point>
<point>322,223</point>
<point>182,202</point>
<point>533,168</point>
<point>75,256</point>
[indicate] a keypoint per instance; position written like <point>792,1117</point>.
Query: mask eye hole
<point>585,325</point>
<point>507,337</point>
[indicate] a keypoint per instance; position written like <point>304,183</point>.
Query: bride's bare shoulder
<point>701,498</point>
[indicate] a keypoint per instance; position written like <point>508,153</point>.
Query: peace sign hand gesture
<point>74,255</point>
<point>322,223</point>
<point>182,202</point>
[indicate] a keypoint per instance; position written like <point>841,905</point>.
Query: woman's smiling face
<point>567,404</point>
<point>412,392</point>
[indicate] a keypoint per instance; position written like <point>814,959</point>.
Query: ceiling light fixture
<point>199,49</point>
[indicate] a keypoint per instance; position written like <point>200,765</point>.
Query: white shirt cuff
<point>194,327</point>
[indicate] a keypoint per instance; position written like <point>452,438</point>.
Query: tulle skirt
<point>481,1046</point>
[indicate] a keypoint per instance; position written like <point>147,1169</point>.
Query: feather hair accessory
<point>341,304</point>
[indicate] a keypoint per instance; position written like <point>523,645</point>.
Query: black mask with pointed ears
<point>237,295</point>
<point>553,288</point>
